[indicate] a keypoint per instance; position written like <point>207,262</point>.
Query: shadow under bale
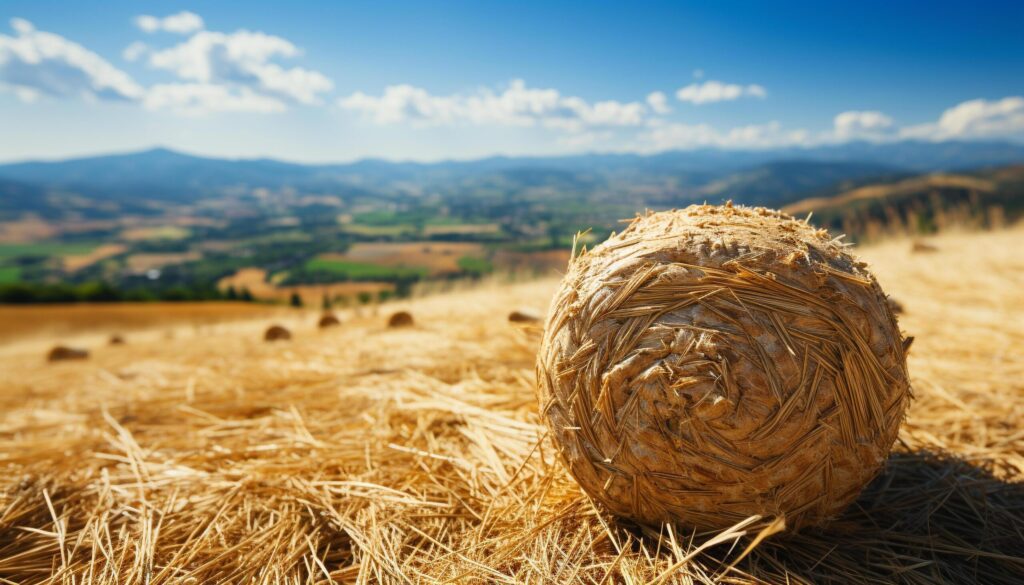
<point>328,320</point>
<point>277,333</point>
<point>401,319</point>
<point>928,518</point>
<point>62,353</point>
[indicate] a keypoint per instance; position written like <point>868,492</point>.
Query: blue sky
<point>336,81</point>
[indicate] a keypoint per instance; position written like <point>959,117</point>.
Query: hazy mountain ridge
<point>168,173</point>
<point>148,181</point>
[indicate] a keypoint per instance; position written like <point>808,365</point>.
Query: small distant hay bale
<point>116,339</point>
<point>919,247</point>
<point>524,315</point>
<point>896,306</point>
<point>328,320</point>
<point>62,353</point>
<point>401,319</point>
<point>718,362</point>
<point>277,333</point>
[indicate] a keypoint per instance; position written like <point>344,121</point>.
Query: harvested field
<point>255,279</point>
<point>362,454</point>
<point>542,262</point>
<point>28,229</point>
<point>164,232</point>
<point>73,262</point>
<point>37,322</point>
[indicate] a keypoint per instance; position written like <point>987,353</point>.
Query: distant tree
<point>246,294</point>
<point>403,287</point>
<point>232,294</point>
<point>383,295</point>
<point>364,298</point>
<point>327,302</point>
<point>296,300</point>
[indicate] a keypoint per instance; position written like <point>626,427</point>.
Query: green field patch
<point>45,249</point>
<point>475,265</point>
<point>290,236</point>
<point>345,270</point>
<point>10,274</point>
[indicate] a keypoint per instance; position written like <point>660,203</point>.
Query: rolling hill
<point>918,204</point>
<point>672,178</point>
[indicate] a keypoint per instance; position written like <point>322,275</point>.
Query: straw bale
<point>61,353</point>
<point>720,362</point>
<point>328,320</point>
<point>276,333</point>
<point>525,315</point>
<point>401,319</point>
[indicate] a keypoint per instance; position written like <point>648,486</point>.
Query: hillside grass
<point>363,454</point>
<point>9,274</point>
<point>44,249</point>
<point>363,270</point>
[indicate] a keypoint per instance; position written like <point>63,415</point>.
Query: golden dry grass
<point>363,454</point>
<point>45,322</point>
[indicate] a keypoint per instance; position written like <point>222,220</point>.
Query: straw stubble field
<point>415,455</point>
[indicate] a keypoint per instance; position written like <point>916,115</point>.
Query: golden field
<point>50,323</point>
<point>362,454</point>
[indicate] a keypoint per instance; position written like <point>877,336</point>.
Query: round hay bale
<point>116,339</point>
<point>276,333</point>
<point>896,306</point>
<point>328,320</point>
<point>61,353</point>
<point>919,247</point>
<point>400,319</point>
<point>718,362</point>
<point>525,315</point>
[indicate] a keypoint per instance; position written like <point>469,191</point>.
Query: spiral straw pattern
<point>719,362</point>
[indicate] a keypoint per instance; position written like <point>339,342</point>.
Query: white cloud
<point>243,59</point>
<point>586,140</point>
<point>868,125</point>
<point>134,51</point>
<point>196,99</point>
<point>517,105</point>
<point>715,91</point>
<point>658,102</point>
<point>181,23</point>
<point>36,63</point>
<point>687,136</point>
<point>974,119</point>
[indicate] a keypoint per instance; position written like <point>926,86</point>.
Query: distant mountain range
<point>772,177</point>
